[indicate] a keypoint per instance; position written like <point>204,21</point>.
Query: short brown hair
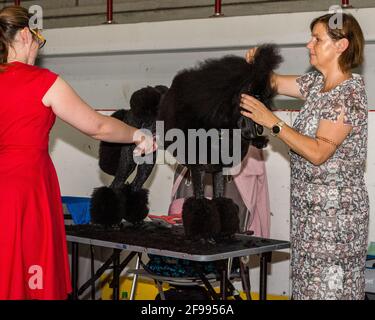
<point>12,19</point>
<point>353,56</point>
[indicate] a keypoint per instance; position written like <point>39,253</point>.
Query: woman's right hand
<point>250,54</point>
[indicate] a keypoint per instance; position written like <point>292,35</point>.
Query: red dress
<point>33,250</point>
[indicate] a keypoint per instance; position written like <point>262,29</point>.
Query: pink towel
<point>252,185</point>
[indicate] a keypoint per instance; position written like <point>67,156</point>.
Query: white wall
<point>105,64</point>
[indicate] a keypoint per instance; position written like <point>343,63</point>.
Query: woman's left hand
<point>145,144</point>
<point>257,111</point>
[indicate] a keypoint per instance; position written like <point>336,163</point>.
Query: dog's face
<point>250,130</point>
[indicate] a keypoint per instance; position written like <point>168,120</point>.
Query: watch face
<point>275,129</point>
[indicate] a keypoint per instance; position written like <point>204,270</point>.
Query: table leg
<point>97,275</point>
<point>159,285</point>
<point>205,281</point>
<point>135,278</point>
<point>116,274</point>
<point>75,270</point>
<point>264,259</point>
<point>223,284</point>
<point>92,267</point>
<point>245,279</point>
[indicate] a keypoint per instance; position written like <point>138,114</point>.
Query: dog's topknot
<point>267,58</point>
<point>144,102</point>
<point>207,95</point>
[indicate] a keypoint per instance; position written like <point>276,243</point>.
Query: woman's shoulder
<point>25,69</point>
<point>37,70</point>
<point>357,81</point>
<point>310,79</point>
<point>354,87</point>
<point>32,77</point>
<point>311,76</point>
<point>309,82</point>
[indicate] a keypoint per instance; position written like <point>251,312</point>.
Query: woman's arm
<point>329,137</point>
<point>316,150</point>
<point>286,85</point>
<point>69,107</point>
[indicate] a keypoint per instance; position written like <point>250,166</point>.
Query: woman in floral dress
<point>328,142</point>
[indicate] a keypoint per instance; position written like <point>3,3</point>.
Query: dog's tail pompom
<point>105,207</point>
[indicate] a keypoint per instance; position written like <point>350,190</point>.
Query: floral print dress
<point>329,202</point>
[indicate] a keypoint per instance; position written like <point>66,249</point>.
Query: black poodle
<point>109,205</point>
<point>206,97</point>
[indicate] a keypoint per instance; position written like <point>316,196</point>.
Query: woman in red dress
<point>33,251</point>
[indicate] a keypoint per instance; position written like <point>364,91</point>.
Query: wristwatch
<point>276,129</point>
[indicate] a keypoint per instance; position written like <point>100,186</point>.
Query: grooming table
<point>169,241</point>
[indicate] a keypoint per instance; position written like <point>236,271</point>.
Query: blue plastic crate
<point>79,208</point>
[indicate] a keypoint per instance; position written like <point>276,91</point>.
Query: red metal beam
<point>345,4</point>
<point>109,11</point>
<point>17,2</point>
<point>217,6</point>
<point>218,12</point>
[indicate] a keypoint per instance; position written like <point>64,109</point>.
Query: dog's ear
<point>161,89</point>
<point>144,103</point>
